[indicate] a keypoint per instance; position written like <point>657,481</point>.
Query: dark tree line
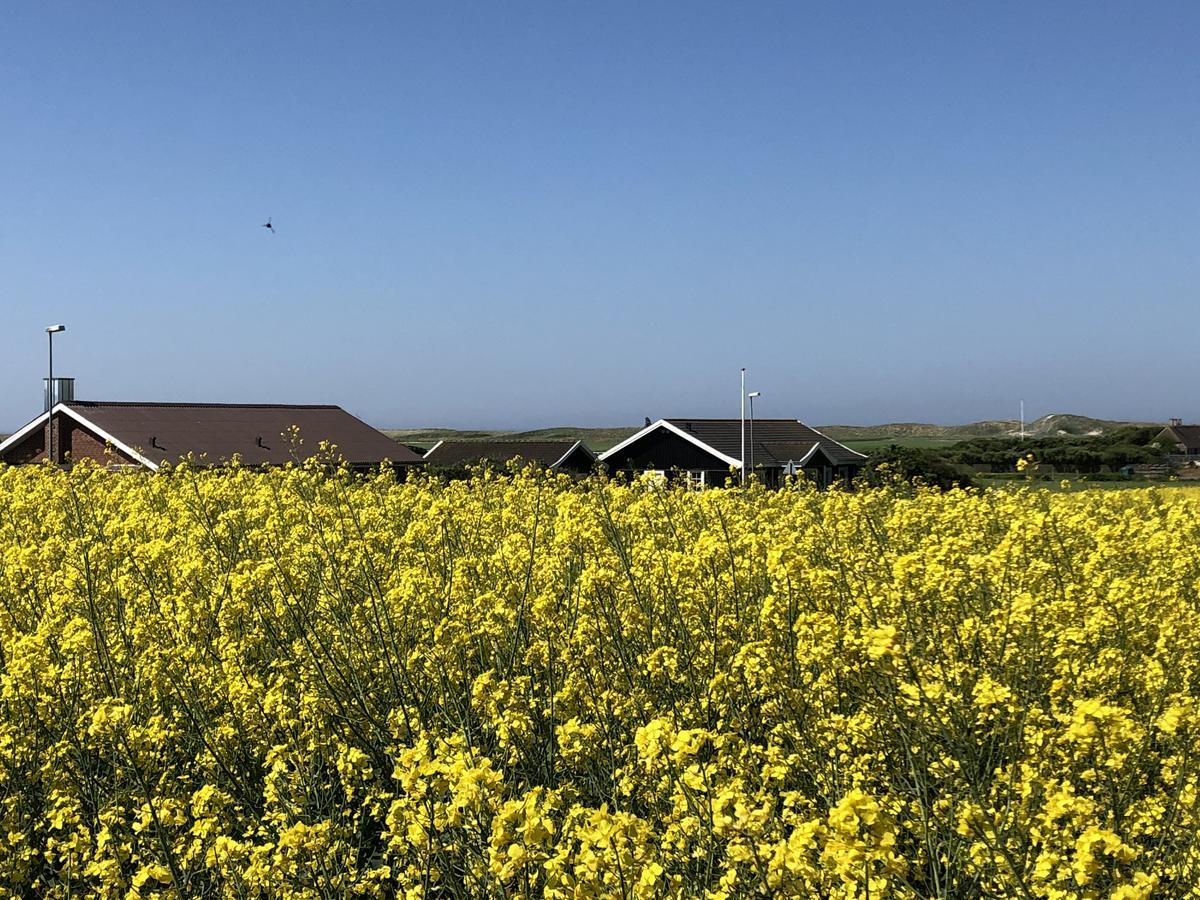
<point>959,463</point>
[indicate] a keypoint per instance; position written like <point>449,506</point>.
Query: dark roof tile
<point>164,432</point>
<point>459,453</point>
<point>780,439</point>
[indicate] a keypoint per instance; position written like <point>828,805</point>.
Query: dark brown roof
<point>1188,435</point>
<point>776,441</point>
<point>460,453</point>
<point>164,432</point>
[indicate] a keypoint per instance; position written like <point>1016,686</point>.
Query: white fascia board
<point>629,440</point>
<point>813,451</point>
<point>434,447</point>
<point>100,432</point>
<point>663,423</point>
<point>575,446</point>
<point>832,441</point>
<point>16,438</point>
<point>809,455</point>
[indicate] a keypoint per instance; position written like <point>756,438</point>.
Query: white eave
<point>86,423</point>
<point>572,449</point>
<point>434,447</point>
<point>663,423</point>
<point>18,436</point>
<point>832,441</point>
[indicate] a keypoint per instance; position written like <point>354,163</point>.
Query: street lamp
<point>742,458</point>
<point>51,331</point>
<point>751,397</point>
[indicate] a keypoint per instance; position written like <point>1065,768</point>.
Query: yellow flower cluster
<point>302,683</point>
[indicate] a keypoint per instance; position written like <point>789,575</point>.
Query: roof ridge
<point>165,404</point>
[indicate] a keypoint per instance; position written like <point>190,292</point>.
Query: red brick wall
<point>75,443</point>
<point>29,450</point>
<point>82,444</point>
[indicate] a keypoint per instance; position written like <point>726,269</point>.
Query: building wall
<point>82,444</point>
<point>579,462</point>
<point>662,449</point>
<point>30,450</point>
<point>74,443</point>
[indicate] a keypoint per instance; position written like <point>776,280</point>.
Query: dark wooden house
<point>561,456</point>
<point>708,451</point>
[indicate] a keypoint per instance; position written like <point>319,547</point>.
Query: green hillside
<point>914,433</point>
<point>598,439</point>
<point>861,437</point>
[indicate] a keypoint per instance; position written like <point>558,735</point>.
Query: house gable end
<point>662,448</point>
<point>29,448</point>
<point>578,459</point>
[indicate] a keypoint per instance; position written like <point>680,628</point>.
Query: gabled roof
<point>547,453</point>
<point>154,433</point>
<point>776,441</point>
<point>1188,435</point>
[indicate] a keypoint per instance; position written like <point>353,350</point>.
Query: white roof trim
<point>663,423</point>
<point>572,449</point>
<point>119,444</point>
<point>832,441</point>
<point>434,447</point>
<point>92,426</point>
<point>25,430</point>
<point>809,455</point>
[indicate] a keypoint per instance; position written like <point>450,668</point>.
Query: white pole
<point>742,466</point>
<point>1022,420</point>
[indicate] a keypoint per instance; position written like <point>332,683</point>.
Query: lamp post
<point>742,458</point>
<point>751,397</point>
<point>51,437</point>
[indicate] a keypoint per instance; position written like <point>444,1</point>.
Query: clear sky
<point>529,214</point>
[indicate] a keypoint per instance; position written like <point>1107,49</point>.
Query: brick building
<point>146,435</point>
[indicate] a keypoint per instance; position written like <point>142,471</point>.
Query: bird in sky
<point>267,225</point>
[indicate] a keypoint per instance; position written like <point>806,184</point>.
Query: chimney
<point>57,390</point>
<point>647,425</point>
<point>1176,423</point>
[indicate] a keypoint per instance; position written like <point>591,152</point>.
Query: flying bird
<point>269,226</point>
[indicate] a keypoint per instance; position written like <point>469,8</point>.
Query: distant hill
<point>1054,425</point>
<point>861,437</point>
<point>598,439</point>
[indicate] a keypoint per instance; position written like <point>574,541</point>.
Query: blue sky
<point>530,214</point>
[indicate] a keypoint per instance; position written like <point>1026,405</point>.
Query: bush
<point>916,464</point>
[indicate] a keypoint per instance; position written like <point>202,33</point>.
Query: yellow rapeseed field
<point>302,684</point>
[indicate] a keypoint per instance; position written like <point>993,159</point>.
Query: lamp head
<point>54,329</point>
<point>754,394</point>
